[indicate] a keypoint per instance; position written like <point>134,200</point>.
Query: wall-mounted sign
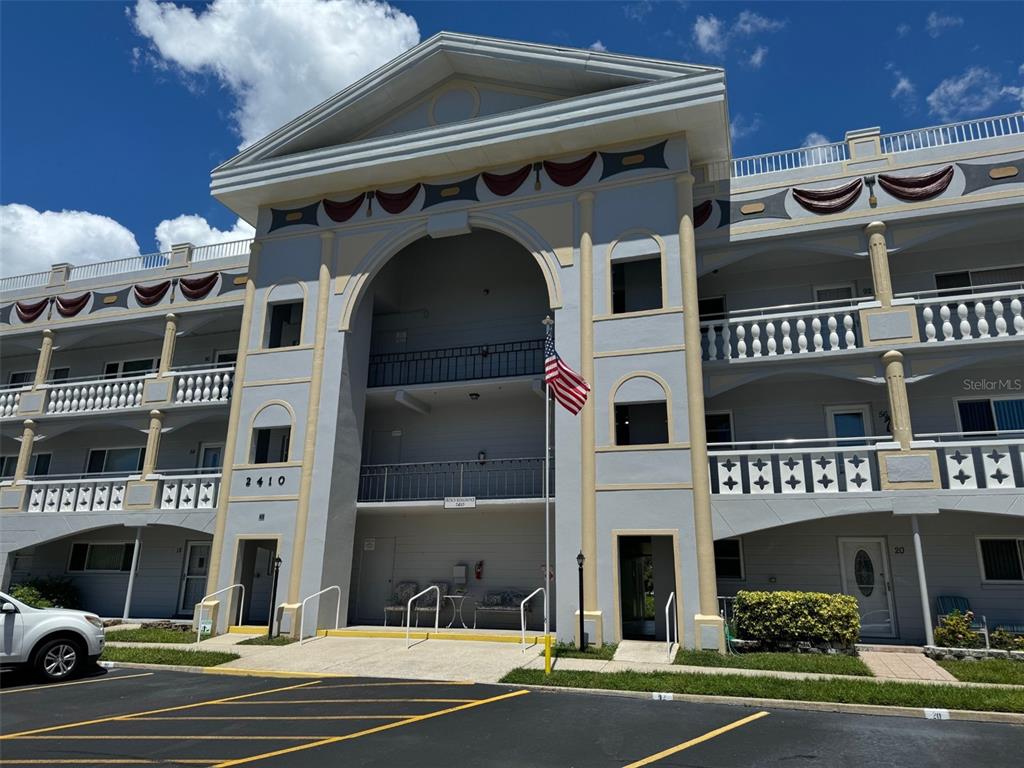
<point>460,502</point>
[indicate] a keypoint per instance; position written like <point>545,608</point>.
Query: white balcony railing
<point>204,385</point>
<point>189,489</point>
<point>986,312</point>
<point>840,465</point>
<point>92,395</point>
<point>787,160</point>
<point>230,250</point>
<point>971,460</point>
<point>10,397</point>
<point>791,329</point>
<point>105,492</point>
<point>954,133</point>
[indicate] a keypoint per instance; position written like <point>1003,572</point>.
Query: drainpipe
<point>926,610</point>
<point>131,573</point>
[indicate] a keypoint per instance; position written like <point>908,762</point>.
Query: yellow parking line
<point>172,737</point>
<point>153,711</point>
<point>104,679</point>
<point>693,742</point>
<point>369,731</point>
<point>271,717</point>
<point>353,701</point>
<point>406,682</point>
<point>110,761</point>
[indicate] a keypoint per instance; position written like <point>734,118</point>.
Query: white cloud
<point>33,240</point>
<point>740,127</point>
<point>598,46</point>
<point>757,58</point>
<point>750,23</point>
<point>276,59</point>
<point>815,139</point>
<point>190,228</point>
<point>709,35</point>
<point>976,91</point>
<point>639,10</point>
<point>902,30</point>
<point>936,24</point>
<point>904,92</point>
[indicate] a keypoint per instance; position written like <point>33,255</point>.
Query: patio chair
<point>399,599</point>
<point>428,603</point>
<point>946,604</point>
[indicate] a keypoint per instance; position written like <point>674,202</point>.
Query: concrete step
<point>643,652</point>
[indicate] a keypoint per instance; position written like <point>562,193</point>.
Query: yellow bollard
<point>547,654</point>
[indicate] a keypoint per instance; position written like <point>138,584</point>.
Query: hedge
<point>780,619</point>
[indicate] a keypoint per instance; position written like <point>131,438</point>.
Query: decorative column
<point>899,405</point>
<point>922,584</point>
<point>879,255</point>
<point>708,625</point>
<point>131,573</point>
<point>588,462</point>
<point>45,357</point>
<point>156,426</point>
<point>170,338</point>
<point>28,437</point>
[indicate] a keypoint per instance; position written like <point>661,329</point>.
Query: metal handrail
<point>795,440</point>
<point>1010,432</point>
<point>192,370</point>
<point>201,603</point>
<point>85,477</point>
<point>187,473</point>
<point>522,612</point>
<point>668,626</point>
<point>408,611</point>
<point>302,609</point>
<point>944,292</point>
<point>488,460</point>
<point>98,378</point>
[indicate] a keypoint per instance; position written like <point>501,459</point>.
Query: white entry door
<point>193,579</point>
<point>865,573</point>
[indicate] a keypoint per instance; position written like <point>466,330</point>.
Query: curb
<point>236,671</point>
<point>1007,718</point>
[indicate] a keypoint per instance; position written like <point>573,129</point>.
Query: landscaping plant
<point>954,631</point>
<point>783,620</point>
<point>50,592</point>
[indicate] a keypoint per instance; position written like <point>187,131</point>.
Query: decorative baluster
<point>769,331</point>
<point>997,310</point>
<point>217,393</point>
<point>851,337</point>
<point>207,381</point>
<point>711,337</point>
<point>1018,317</point>
<point>90,400</point>
<point>979,313</point>
<point>819,342</point>
<point>134,393</point>
<point>727,342</point>
<point>801,335</point>
<point>741,341</point>
<point>947,327</point>
<point>965,324</point>
<point>755,339</point>
<point>787,342</point>
<point>190,390</point>
<point>105,392</point>
<point>179,396</point>
<point>226,388</point>
<point>833,333</point>
<point>929,323</point>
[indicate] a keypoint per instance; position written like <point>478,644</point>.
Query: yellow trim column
<point>708,627</point>
<point>899,404</point>
<point>312,414</point>
<point>588,462</point>
<point>28,437</point>
<point>170,337</point>
<point>879,255</point>
<point>45,357</point>
<point>156,427</point>
<point>234,417</point>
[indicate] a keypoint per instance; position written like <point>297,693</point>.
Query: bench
<point>403,592</point>
<point>501,602</point>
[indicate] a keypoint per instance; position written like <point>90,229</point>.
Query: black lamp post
<point>580,559</point>
<point>273,598</point>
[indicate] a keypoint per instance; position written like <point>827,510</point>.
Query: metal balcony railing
<point>480,361</point>
<point>432,481</point>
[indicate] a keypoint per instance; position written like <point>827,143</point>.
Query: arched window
<point>636,274</point>
<point>641,411</point>
<point>270,441</point>
<point>284,316</point>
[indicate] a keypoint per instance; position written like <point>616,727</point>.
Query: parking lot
<point>138,717</point>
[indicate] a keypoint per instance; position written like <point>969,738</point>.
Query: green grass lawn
<point>167,656</point>
<point>779,662</point>
<point>986,671</point>
<point>151,635</point>
<point>849,691</point>
<point>264,640</point>
<point>570,651</point>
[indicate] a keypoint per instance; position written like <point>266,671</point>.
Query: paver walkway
<point>904,666</point>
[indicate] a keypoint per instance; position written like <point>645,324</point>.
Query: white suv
<point>57,643</point>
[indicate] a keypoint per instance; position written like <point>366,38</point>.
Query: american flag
<point>568,387</point>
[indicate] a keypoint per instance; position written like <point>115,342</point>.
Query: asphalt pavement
<point>162,718</point>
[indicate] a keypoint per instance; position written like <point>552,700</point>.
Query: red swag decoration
<point>829,200</point>
<point>197,287</point>
<point>342,212</point>
<point>914,188</point>
<point>568,174</point>
<point>30,312</point>
<point>701,213</point>
<point>148,295</point>
<point>504,184</point>
<point>71,307</point>
<point>397,202</point>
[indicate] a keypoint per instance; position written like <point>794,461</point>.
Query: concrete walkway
<point>642,651</point>
<point>904,666</point>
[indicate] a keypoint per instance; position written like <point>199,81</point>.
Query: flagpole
<point>548,322</point>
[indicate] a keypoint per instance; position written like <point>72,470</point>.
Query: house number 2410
<point>260,482</point>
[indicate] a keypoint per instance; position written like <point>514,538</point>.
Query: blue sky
<point>116,112</point>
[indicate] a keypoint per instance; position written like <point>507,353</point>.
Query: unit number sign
<point>264,480</point>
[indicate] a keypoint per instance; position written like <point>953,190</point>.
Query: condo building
<point>806,367</point>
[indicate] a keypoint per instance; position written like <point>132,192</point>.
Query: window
<point>711,308</point>
<point>284,326</point>
<point>59,374</point>
<point>833,292</point>
<point>1002,559</point>
<point>22,377</point>
<point>226,357</point>
<point>636,285</point>
<point>718,427</point>
<point>114,460</point>
<point>270,445</point>
<point>729,559</point>
<point>641,423</point>
<point>108,557</point>
<point>991,414</point>
<point>952,281</point>
<point>38,465</point>
<point>122,368</point>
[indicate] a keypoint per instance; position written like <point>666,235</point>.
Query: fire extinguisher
<point>478,570</point>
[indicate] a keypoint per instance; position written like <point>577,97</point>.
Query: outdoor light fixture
<point>474,395</point>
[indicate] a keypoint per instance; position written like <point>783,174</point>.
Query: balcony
<point>795,467</point>
<point>105,492</point>
<point>10,398</point>
<point>436,366</point>
<point>990,311</point>
<point>434,481</point>
<point>973,460</point>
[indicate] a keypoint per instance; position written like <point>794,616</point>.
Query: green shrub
<point>954,631</point>
<point>49,592</point>
<point>1006,641</point>
<point>779,619</point>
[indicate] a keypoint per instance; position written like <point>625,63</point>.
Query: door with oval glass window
<point>865,575</point>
